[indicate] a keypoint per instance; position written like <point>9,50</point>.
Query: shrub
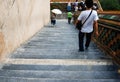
<point>110,4</point>
<point>61,6</point>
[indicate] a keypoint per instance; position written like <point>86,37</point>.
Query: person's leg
<point>54,22</point>
<point>88,39</point>
<point>69,20</point>
<point>81,41</point>
<point>51,21</point>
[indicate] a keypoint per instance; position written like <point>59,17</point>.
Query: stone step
<point>55,44</point>
<point>59,44</point>
<point>67,50</point>
<point>19,79</point>
<point>62,37</point>
<point>16,79</point>
<point>51,47</point>
<point>56,55</point>
<point>37,53</point>
<point>60,67</point>
<point>55,34</point>
<point>60,74</point>
<point>48,43</point>
<point>52,56</point>
<point>60,61</point>
<point>64,50</point>
<point>52,42</point>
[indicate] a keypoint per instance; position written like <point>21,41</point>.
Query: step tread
<point>19,79</point>
<point>61,74</point>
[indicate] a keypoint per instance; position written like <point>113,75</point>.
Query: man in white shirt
<point>88,26</point>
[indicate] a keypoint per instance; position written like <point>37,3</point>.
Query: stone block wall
<point>20,20</point>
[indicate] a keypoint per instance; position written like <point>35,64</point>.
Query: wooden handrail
<point>64,0</point>
<point>106,26</point>
<point>109,12</point>
<point>110,21</point>
<point>109,33</point>
<point>67,0</point>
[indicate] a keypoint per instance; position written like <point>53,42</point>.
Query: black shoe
<point>81,50</point>
<point>86,48</point>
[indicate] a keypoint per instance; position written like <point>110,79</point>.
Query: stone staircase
<point>52,56</point>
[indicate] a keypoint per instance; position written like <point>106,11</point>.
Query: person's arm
<point>96,24</point>
<point>96,28</point>
<point>76,22</point>
<point>78,19</point>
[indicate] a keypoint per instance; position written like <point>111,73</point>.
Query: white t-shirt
<point>88,25</point>
<point>69,4</point>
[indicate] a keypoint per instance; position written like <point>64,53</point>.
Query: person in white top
<point>75,5</point>
<point>69,6</point>
<point>88,26</point>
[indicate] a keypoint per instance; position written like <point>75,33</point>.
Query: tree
<point>110,4</point>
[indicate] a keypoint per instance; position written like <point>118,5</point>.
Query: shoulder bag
<point>79,23</point>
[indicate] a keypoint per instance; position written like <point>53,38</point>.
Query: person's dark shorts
<point>53,22</point>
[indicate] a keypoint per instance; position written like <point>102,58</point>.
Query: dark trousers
<point>69,20</point>
<point>53,22</point>
<point>81,40</point>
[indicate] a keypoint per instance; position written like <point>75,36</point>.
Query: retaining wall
<point>20,20</point>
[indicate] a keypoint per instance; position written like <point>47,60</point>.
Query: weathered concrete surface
<point>19,20</point>
<point>52,56</point>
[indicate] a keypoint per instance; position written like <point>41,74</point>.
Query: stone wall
<point>20,20</point>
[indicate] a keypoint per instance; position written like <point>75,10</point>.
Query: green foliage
<point>61,6</point>
<point>110,4</point>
